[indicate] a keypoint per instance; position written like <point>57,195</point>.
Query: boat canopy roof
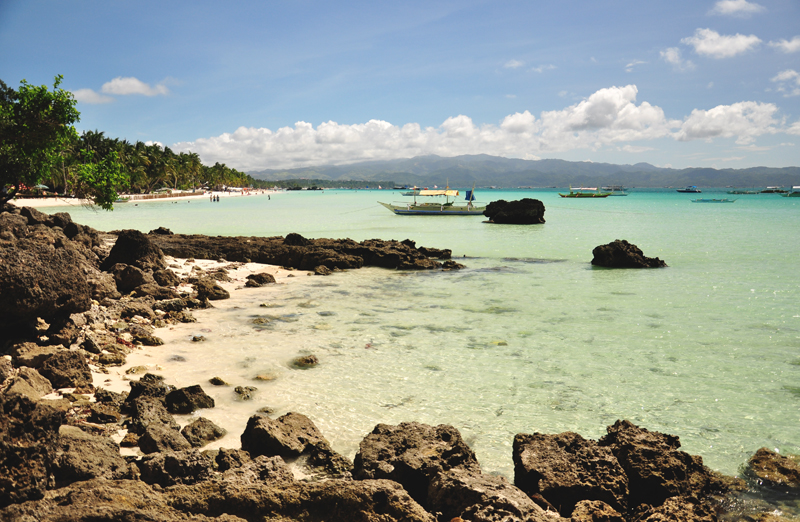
<point>438,193</point>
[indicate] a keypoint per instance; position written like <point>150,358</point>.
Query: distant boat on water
<point>585,192</point>
<point>441,204</point>
<point>713,200</point>
<point>794,193</point>
<point>614,190</point>
<point>690,189</point>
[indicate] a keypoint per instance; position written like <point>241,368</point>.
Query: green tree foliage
<point>39,145</point>
<point>35,127</point>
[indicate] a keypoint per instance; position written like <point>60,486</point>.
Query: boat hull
<point>585,195</point>
<point>434,210</point>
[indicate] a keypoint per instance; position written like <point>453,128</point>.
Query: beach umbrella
<point>41,186</point>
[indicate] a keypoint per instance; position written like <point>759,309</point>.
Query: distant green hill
<point>488,171</point>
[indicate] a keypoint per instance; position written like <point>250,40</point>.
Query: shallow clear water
<point>529,338</point>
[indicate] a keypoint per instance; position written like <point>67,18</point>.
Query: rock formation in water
<point>295,251</point>
<point>524,211</point>
<point>621,254</point>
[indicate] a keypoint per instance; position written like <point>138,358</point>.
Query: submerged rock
<point>775,471</point>
<point>304,362</point>
<point>260,279</point>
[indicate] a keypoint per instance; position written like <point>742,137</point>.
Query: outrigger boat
<point>437,207</point>
<point>713,200</point>
<point>794,193</point>
<point>614,190</point>
<point>585,192</point>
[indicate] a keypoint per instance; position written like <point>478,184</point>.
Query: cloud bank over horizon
<point>610,116</point>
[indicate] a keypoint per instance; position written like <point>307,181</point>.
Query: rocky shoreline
<point>76,301</point>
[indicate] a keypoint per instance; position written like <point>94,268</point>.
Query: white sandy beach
<point>117,379</point>
<point>73,202</point>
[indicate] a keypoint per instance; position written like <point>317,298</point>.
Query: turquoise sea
<point>528,338</point>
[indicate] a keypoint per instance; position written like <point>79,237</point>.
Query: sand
<point>72,202</point>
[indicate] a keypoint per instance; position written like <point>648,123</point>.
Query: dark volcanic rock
<point>128,277</point>
<point>260,279</point>
<point>146,410</point>
<point>232,458</point>
<point>209,289</point>
<point>480,498</point>
<point>290,437</point>
<point>100,413</point>
<point>322,270</point>
<point>134,248</point>
<point>621,254</point>
<point>412,454</point>
<point>6,369</point>
<point>273,498</point>
<point>41,280</point>
<point>188,399</point>
<point>304,362</point>
<point>159,437</point>
<point>180,467</point>
<point>103,500</point>
<point>67,369</point>
<point>681,509</point>
<point>201,432</point>
<point>82,456</point>
<point>595,511</point>
<point>655,467</point>
<point>102,285</point>
<point>32,355</point>
<point>775,471</point>
<point>28,443</point>
<point>166,277</point>
<point>525,211</point>
<point>305,254</point>
<point>155,291</point>
<point>566,468</point>
<point>295,239</point>
<point>149,385</point>
<point>30,383</point>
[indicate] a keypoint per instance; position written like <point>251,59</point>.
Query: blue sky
<point>287,84</point>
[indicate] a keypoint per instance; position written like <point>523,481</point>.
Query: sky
<point>277,85</point>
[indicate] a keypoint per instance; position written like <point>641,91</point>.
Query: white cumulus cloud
<point>736,8</point>
<point>672,55</point>
<point>788,82</point>
<point>130,85</point>
<point>513,64</point>
<point>743,120</point>
<point>91,97</point>
<point>787,46</point>
<point>710,43</point>
<point>609,117</point>
<point>543,68</point>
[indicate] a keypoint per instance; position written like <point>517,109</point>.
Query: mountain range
<point>493,171</point>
